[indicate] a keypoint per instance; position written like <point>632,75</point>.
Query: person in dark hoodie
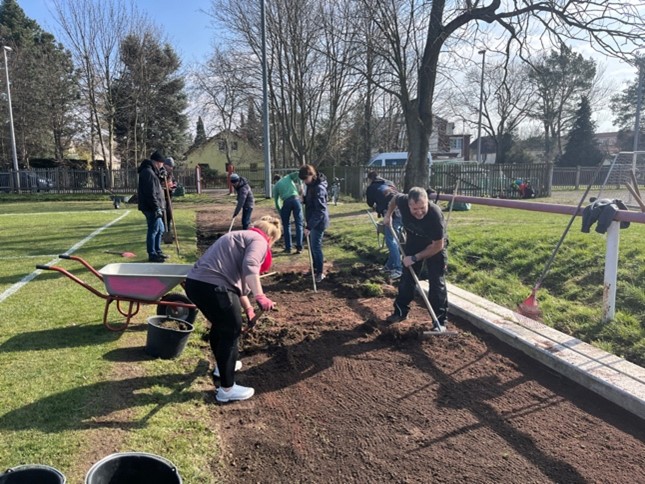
<point>316,215</point>
<point>152,203</point>
<point>378,194</point>
<point>245,200</point>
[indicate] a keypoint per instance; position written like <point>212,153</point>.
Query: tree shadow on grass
<point>98,405</point>
<point>67,337</point>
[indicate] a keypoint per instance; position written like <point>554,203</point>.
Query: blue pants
<point>289,206</point>
<point>315,239</point>
<point>246,218</point>
<point>394,259</point>
<point>155,232</point>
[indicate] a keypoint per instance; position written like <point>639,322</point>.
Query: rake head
<point>529,307</point>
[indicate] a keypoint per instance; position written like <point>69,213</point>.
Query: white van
<point>392,159</point>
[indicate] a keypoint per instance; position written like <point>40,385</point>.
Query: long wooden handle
<point>636,196</point>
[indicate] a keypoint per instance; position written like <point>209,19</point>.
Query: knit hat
<point>169,162</point>
<point>157,156</point>
<point>235,178</point>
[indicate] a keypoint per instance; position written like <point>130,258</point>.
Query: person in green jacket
<point>286,195</point>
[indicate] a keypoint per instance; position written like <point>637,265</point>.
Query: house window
<point>222,145</point>
<point>234,145</point>
<point>456,144</point>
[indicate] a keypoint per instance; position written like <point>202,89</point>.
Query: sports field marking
<point>18,285</point>
<point>67,212</point>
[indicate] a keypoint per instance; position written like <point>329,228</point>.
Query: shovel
<point>437,329</point>
<point>174,228</point>
<point>230,227</point>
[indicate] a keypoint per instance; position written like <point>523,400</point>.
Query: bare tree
<point>613,27</point>
<point>507,100</point>
<point>93,32</point>
<point>225,88</point>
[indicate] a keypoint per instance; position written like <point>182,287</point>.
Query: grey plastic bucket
<point>164,342</point>
<point>32,474</point>
<point>133,468</point>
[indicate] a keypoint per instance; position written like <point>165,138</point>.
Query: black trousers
<point>437,291</point>
<point>222,308</point>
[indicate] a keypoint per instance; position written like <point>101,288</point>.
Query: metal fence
<point>476,180</point>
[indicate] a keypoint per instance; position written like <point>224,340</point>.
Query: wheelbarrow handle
<point>44,267</point>
<point>64,256</point>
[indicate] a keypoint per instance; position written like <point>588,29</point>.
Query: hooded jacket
<point>244,196</point>
<point>379,193</point>
<point>316,214</point>
<point>149,192</point>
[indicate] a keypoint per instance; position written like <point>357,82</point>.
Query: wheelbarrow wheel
<point>177,312</point>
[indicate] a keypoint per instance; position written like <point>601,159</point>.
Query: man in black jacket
<point>152,203</point>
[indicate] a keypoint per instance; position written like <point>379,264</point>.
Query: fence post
<point>577,184</point>
<point>198,179</point>
<point>611,272</point>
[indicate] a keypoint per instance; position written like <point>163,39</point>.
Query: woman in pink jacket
<point>220,284</point>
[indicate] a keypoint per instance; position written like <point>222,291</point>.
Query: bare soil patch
<point>342,397</point>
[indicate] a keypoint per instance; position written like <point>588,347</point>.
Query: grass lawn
<point>74,392</point>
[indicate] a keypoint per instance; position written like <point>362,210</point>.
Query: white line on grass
<point>18,285</point>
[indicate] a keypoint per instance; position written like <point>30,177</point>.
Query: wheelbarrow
<point>134,284</point>
<point>380,230</point>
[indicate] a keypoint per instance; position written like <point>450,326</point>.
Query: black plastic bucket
<point>167,342</point>
<point>32,474</point>
<point>133,468</point>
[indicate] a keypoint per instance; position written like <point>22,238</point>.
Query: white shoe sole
<point>222,398</point>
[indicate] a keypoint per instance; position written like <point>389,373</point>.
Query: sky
<point>187,28</point>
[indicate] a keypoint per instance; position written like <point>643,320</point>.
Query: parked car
<point>29,180</point>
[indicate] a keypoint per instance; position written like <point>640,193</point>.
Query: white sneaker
<point>320,277</point>
<point>236,392</point>
<point>394,275</point>
<point>238,367</point>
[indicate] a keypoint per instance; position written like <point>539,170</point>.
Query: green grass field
<point>74,392</point>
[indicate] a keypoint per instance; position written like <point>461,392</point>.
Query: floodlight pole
<point>481,104</point>
<point>265,105</point>
<point>14,155</point>
<point>637,123</point>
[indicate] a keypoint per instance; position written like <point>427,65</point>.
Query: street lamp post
<point>265,105</point>
<point>481,104</point>
<point>6,49</point>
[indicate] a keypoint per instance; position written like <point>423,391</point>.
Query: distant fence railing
<point>476,180</point>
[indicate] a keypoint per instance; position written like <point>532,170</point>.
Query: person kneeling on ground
<point>425,243</point>
<point>219,285</point>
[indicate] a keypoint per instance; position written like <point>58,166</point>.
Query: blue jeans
<point>154,234</point>
<point>394,259</point>
<point>315,239</point>
<point>292,205</point>
<point>246,218</point>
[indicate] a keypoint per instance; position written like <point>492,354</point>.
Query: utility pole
<point>14,155</point>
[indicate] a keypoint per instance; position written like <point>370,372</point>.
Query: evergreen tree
<point>623,107</point>
<point>201,133</point>
<point>149,99</point>
<point>582,147</point>
<point>43,88</point>
<point>253,126</point>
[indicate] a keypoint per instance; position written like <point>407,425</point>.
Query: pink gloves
<point>264,302</point>
<point>250,313</point>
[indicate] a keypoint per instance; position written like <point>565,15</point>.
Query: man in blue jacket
<point>378,194</point>
<point>152,203</point>
<point>245,200</point>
